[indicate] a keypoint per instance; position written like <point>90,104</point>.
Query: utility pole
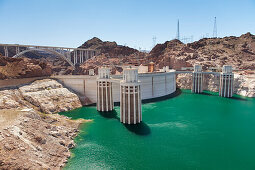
<point>215,28</point>
<point>154,41</point>
<point>178,31</point>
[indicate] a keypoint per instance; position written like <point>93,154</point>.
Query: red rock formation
<point>23,67</point>
<point>109,48</point>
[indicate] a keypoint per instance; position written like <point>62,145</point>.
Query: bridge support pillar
<point>104,90</point>
<point>197,79</point>
<point>6,51</point>
<point>226,82</point>
<point>130,97</point>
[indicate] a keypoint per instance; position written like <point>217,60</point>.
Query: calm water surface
<point>190,131</point>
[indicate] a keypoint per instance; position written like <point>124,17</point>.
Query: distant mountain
<point>111,49</point>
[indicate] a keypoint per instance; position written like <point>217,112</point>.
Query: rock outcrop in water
<point>30,139</point>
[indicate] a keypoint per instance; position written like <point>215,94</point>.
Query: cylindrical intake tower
<point>130,97</point>
<point>104,90</point>
<point>226,82</point>
<point>197,79</point>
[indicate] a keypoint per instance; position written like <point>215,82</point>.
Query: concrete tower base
<point>130,97</point>
<point>197,82</point>
<point>104,90</point>
<point>226,82</point>
<point>197,79</point>
<point>130,104</point>
<point>104,96</point>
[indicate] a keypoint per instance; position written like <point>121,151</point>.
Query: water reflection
<point>172,95</point>
<point>110,115</point>
<point>139,129</point>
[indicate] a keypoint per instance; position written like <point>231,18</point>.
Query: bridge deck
<point>46,47</point>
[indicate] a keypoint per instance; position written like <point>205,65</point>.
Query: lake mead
<point>189,131</point>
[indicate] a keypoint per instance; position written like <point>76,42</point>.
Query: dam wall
<point>153,85</point>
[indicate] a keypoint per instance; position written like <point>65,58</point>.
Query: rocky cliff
<point>210,52</point>
<point>30,67</point>
<point>30,139</point>
<point>23,67</point>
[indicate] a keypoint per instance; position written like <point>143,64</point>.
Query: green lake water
<point>189,131</point>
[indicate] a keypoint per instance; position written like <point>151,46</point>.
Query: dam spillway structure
<point>130,97</point>
<point>226,82</point>
<point>104,90</point>
<point>197,79</point>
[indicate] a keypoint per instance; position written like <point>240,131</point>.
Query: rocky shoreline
<point>31,139</point>
<point>244,85</point>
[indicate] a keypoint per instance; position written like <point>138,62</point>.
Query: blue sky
<point>131,22</point>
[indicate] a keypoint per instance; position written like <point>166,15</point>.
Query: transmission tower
<point>215,28</point>
<point>154,41</point>
<point>178,31</point>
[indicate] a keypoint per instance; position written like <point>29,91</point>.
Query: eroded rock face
<point>245,85</point>
<point>97,62</point>
<point>30,139</point>
<point>23,68</point>
<point>34,66</point>
<point>10,99</point>
<point>50,96</point>
<point>36,141</point>
<point>184,81</point>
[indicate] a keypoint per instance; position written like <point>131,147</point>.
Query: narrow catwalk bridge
<point>71,55</point>
<point>190,72</point>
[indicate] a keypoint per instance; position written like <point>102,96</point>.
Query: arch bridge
<point>71,55</point>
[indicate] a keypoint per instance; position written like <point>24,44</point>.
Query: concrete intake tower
<point>226,82</point>
<point>104,90</point>
<point>197,79</point>
<point>130,97</point>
